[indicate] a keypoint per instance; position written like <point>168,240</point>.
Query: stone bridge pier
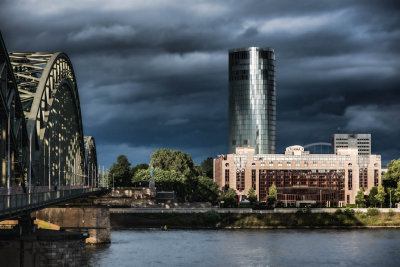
<point>94,220</point>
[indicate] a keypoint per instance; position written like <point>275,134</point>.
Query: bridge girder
<point>49,94</point>
<point>14,142</point>
<point>90,161</point>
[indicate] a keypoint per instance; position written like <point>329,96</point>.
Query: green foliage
<point>206,191</point>
<point>165,180</point>
<point>380,196</point>
<point>349,212</point>
<point>207,168</point>
<point>392,176</point>
<point>303,211</point>
<point>360,200</point>
<point>363,215</point>
<point>251,195</point>
<point>272,195</point>
<point>229,198</point>
<point>372,196</point>
<point>338,211</point>
<point>212,217</point>
<point>141,166</point>
<point>372,212</point>
<point>121,172</point>
<point>396,195</point>
<point>391,213</point>
<point>173,160</point>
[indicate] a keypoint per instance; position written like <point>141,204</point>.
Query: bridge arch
<point>50,99</point>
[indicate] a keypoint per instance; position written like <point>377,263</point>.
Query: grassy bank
<point>270,220</point>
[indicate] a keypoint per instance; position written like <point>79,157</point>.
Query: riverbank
<point>215,220</point>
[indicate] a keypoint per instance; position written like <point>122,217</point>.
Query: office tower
<point>252,99</point>
<point>360,141</point>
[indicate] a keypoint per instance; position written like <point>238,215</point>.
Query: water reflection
<point>248,248</point>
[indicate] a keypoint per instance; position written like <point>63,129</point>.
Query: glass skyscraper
<point>252,99</point>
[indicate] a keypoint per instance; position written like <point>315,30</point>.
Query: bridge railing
<point>11,204</point>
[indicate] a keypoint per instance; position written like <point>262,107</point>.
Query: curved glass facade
<point>252,99</point>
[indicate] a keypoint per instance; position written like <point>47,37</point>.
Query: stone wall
<point>92,219</point>
<point>131,192</point>
<point>42,248</point>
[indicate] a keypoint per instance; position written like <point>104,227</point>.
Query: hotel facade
<point>300,177</point>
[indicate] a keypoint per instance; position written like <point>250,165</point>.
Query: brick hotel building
<point>300,177</point>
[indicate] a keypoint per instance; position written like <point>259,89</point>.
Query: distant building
<point>360,141</point>
<point>252,96</point>
<point>300,177</point>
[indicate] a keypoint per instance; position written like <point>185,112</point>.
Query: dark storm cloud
<point>154,73</point>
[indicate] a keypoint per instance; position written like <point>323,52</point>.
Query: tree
<point>207,167</point>
<point>165,180</point>
<point>272,195</point>
<point>173,160</point>
<point>360,200</point>
<point>396,195</point>
<point>229,198</point>
<point>251,196</point>
<point>206,191</point>
<point>380,196</point>
<point>392,176</point>
<point>120,172</point>
<point>140,166</point>
<point>372,196</point>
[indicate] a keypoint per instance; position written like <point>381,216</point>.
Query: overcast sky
<point>154,74</point>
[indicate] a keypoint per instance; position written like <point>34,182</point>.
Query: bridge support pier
<point>95,220</point>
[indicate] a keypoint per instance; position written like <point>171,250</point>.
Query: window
<point>363,178</point>
<point>376,178</point>
<point>226,176</point>
<point>350,181</point>
<point>240,180</point>
<point>253,179</point>
<point>245,141</point>
<point>233,142</point>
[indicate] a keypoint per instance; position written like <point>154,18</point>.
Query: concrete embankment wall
<point>267,219</point>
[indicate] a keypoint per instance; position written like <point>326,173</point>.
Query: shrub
<point>338,211</point>
<point>363,215</point>
<point>372,212</point>
<point>303,211</point>
<point>212,217</point>
<point>391,213</point>
<point>349,211</point>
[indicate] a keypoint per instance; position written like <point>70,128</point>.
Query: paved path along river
<point>249,248</point>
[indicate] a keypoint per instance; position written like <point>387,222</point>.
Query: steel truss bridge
<point>44,156</point>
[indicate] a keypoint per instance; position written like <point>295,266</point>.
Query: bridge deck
<point>18,204</point>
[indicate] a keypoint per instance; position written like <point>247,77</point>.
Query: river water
<point>248,248</point>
